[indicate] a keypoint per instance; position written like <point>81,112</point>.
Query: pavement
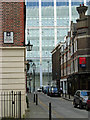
<point>37,111</point>
<point>68,97</point>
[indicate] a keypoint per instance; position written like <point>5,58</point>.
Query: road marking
<point>53,111</point>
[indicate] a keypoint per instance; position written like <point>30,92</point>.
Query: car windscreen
<point>54,89</point>
<point>85,93</point>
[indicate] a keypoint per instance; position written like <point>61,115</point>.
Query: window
<point>78,93</point>
<point>76,45</point>
<point>72,68</point>
<point>76,65</point>
<point>71,49</point>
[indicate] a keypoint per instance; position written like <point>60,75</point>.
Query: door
<point>77,97</point>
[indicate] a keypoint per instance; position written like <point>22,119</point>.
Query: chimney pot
<point>82,10</point>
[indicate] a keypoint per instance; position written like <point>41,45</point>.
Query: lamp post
<point>29,48</point>
<point>48,73</point>
<point>30,78</point>
<point>34,68</point>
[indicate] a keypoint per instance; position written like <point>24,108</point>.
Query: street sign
<point>82,61</point>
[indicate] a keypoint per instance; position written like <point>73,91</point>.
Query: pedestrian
<point>61,91</point>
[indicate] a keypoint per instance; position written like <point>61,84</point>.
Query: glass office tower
<point>47,23</point>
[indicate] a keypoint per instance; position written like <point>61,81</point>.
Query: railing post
<point>19,100</point>
<point>7,104</point>
<point>12,103</point>
<point>20,104</point>
<point>16,104</point>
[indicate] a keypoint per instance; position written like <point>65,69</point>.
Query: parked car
<point>80,98</point>
<point>49,88</point>
<point>45,89</point>
<point>88,103</point>
<point>53,91</point>
<point>39,89</point>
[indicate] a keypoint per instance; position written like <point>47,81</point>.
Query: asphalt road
<point>61,108</point>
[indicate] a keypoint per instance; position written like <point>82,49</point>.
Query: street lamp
<point>30,79</point>
<point>48,73</point>
<point>34,68</point>
<point>29,46</point>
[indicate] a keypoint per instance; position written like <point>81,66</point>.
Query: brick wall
<point>0,23</point>
<point>13,21</point>
<point>56,69</point>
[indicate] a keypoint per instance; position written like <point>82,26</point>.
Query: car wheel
<point>87,107</point>
<point>74,103</point>
<point>80,105</point>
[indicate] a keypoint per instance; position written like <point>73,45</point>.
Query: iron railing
<point>10,104</point>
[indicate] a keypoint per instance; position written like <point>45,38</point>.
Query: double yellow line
<point>53,111</point>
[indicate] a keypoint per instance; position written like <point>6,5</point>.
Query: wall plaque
<point>8,37</point>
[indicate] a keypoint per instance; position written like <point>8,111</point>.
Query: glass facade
<point>47,22</point>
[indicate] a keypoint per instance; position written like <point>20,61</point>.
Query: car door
<point>77,95</point>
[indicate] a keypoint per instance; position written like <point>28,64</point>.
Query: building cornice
<point>12,47</point>
<point>84,36</point>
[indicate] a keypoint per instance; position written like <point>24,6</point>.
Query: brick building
<point>75,55</point>
<point>56,72</point>
<point>75,67</point>
<point>80,53</point>
<point>65,63</point>
<point>12,49</point>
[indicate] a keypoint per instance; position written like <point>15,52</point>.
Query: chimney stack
<point>82,10</point>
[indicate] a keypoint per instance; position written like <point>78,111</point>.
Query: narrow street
<point>61,108</point>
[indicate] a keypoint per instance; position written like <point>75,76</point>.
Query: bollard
<point>69,96</point>
<point>62,94</point>
<point>36,99</point>
<point>50,111</point>
<point>65,95</point>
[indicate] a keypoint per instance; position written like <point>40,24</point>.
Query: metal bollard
<point>62,94</point>
<point>36,99</point>
<point>69,96</point>
<point>65,95</point>
<point>50,111</point>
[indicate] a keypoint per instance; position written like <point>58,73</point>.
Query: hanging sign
<point>82,61</point>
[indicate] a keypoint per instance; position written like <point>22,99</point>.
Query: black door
<point>89,85</point>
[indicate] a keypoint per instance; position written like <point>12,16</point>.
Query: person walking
<point>61,91</point>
